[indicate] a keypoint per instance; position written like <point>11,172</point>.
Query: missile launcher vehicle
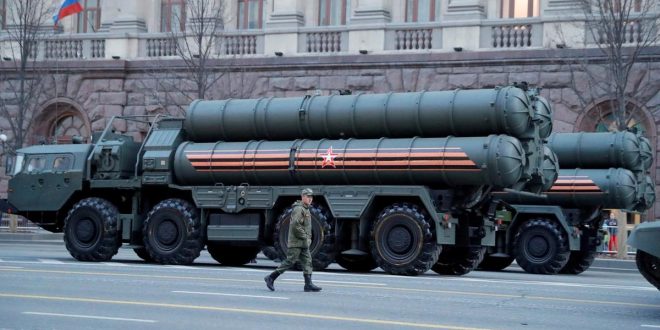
<point>559,231</point>
<point>397,177</point>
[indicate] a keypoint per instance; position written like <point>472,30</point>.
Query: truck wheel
<point>172,232</point>
<point>649,266</point>
<point>90,230</point>
<point>458,260</point>
<point>232,255</point>
<point>495,263</point>
<point>579,261</point>
<point>271,253</point>
<point>540,247</point>
<point>322,248</point>
<point>402,242</point>
<point>356,264</point>
<point>143,254</point>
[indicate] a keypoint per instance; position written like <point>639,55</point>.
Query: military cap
<point>307,192</point>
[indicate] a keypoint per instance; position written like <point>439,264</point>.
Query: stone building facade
<point>374,46</point>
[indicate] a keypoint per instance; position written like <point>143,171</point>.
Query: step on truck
<point>401,179</point>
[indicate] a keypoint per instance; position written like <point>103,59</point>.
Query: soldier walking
<point>300,239</point>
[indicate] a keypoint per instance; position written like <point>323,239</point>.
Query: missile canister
<point>543,115</point>
<point>647,152</point>
<point>505,110</point>
<point>597,150</point>
<point>550,168</point>
<point>610,188</point>
<point>647,199</point>
<point>496,160</point>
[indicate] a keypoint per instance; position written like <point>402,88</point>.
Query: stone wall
<point>102,89</point>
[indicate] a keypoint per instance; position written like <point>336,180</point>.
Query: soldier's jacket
<point>300,228</point>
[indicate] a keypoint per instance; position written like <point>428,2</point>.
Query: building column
<point>123,20</point>
<point>465,36</point>
<point>282,27</point>
<point>367,24</point>
<point>569,31</point>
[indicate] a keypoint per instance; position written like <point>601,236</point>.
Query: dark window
<point>61,163</point>
<point>615,6</point>
<point>332,12</point>
<point>250,14</point>
<point>89,19</point>
<point>35,164</point>
<point>172,16</point>
<point>422,10</point>
<point>3,14</point>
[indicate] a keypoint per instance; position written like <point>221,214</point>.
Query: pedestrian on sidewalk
<point>299,241</point>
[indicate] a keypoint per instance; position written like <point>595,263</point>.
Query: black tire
<point>541,247</point>
<point>322,249</point>
<point>91,230</point>
<point>356,264</point>
<point>402,242</point>
<point>649,267</point>
<point>580,261</point>
<point>143,254</point>
<point>458,260</point>
<point>495,263</point>
<point>232,255</point>
<point>271,253</point>
<point>172,232</point>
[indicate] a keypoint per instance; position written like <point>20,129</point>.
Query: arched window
<point>59,122</point>
<point>66,127</point>
<point>600,118</point>
<point>422,10</point>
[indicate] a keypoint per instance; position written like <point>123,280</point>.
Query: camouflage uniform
<point>300,238</point>
<point>299,241</point>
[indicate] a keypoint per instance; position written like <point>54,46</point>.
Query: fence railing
<point>240,44</point>
<point>504,34</point>
<point>324,42</point>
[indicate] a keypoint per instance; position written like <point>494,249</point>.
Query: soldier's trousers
<point>296,254</point>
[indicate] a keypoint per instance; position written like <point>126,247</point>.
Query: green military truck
<point>399,178</point>
<point>559,232</point>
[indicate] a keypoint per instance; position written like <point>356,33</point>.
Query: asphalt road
<point>42,287</point>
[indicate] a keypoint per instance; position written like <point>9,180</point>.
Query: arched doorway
<point>59,121</point>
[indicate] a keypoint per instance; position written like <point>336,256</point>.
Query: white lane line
<point>610,268</point>
<point>339,282</point>
<point>11,267</point>
<point>650,326</point>
<point>179,267</point>
<point>91,317</point>
<point>114,264</point>
<point>577,285</point>
<point>50,261</point>
<point>231,295</point>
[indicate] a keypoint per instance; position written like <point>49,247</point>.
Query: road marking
<point>50,261</point>
<point>91,317</point>
<point>464,293</point>
<point>10,267</point>
<point>650,326</point>
<point>114,264</point>
<point>337,282</point>
<point>231,295</point>
<point>578,285</point>
<point>610,268</point>
<point>237,310</point>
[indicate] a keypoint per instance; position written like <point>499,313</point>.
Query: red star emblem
<point>329,158</point>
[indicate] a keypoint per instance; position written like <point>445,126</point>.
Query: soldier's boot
<point>270,280</point>
<point>309,286</point>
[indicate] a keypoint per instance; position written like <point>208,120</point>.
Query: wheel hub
<point>538,247</point>
<point>167,233</point>
<point>85,230</point>
<point>399,239</point>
